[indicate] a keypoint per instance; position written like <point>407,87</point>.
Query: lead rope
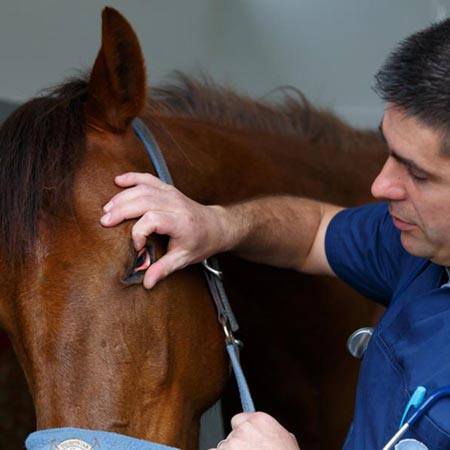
<point>214,275</point>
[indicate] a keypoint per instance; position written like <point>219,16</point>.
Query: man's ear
<point>117,84</point>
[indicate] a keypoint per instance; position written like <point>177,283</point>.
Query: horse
<point>99,351</point>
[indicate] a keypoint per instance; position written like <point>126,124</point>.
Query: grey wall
<point>329,49</point>
<point>6,108</point>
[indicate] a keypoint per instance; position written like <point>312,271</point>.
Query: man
<point>394,252</point>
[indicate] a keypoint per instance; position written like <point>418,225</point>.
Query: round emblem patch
<point>74,444</point>
<point>410,444</point>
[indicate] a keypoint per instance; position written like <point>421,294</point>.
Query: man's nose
<point>389,184</point>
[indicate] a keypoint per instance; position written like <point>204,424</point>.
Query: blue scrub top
<point>411,344</point>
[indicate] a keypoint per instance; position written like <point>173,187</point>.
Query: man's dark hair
<point>416,77</point>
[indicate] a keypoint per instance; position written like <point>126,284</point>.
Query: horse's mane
<point>42,143</point>
<point>285,111</point>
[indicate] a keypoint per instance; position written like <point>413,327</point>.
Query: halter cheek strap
<point>212,273</point>
<point>80,439</point>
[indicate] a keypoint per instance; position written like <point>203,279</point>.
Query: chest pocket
<point>417,345</point>
<point>410,347</point>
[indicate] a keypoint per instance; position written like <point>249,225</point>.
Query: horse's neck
<point>217,164</point>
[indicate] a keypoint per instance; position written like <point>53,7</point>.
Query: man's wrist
<point>228,229</point>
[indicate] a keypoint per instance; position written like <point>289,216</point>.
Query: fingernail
<point>120,177</point>
<point>107,207</point>
<point>106,218</point>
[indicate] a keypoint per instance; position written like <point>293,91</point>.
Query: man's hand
<point>282,231</point>
<point>195,231</point>
<point>258,430</point>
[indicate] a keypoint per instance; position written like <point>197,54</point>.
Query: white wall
<point>330,49</point>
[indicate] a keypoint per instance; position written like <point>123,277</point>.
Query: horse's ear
<point>117,84</point>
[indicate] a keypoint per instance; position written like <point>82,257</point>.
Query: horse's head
<point>97,349</point>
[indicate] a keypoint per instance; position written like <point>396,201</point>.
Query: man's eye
<point>143,260</point>
<point>418,177</point>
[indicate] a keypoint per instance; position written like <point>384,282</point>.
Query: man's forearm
<point>279,230</point>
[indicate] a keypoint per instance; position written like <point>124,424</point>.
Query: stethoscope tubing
<point>421,410</point>
<point>428,403</point>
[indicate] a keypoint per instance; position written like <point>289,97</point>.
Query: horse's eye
<point>143,260</point>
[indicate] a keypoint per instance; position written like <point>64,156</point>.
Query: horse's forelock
<point>41,145</point>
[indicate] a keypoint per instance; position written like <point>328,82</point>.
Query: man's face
<point>415,180</point>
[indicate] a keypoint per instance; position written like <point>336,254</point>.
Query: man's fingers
<point>160,222</point>
<point>240,418</point>
<point>133,178</point>
<point>127,210</point>
<point>163,267</point>
<point>139,190</point>
<point>138,207</point>
<point>131,194</point>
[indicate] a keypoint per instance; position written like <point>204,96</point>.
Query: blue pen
<point>415,400</point>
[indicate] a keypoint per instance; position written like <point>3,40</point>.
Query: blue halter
<point>212,273</point>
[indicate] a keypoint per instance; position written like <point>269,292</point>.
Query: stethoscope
<point>423,405</point>
<point>356,345</point>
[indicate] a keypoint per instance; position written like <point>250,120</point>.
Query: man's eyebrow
<point>408,163</point>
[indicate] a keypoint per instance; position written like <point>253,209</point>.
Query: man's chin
<point>414,246</point>
<point>418,246</point>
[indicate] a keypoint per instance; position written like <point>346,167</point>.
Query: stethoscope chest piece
<point>358,341</point>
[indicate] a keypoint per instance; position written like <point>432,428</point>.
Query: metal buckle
<point>229,337</point>
<point>215,272</point>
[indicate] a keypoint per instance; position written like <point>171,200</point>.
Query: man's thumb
<point>238,419</point>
